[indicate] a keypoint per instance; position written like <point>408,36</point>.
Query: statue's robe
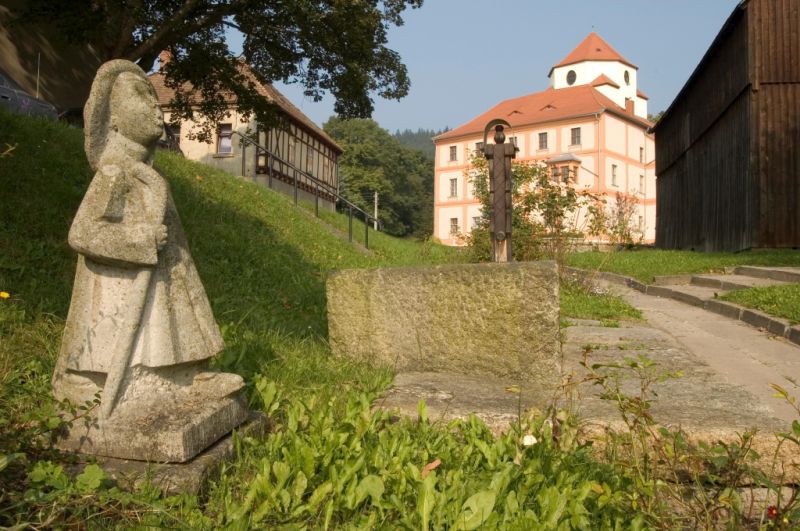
<point>113,233</point>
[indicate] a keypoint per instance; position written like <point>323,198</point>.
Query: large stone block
<point>497,319</point>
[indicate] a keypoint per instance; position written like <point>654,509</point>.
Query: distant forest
<point>419,139</point>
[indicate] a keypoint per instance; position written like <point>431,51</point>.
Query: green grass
<point>644,264</point>
<point>780,301</point>
<point>578,302</point>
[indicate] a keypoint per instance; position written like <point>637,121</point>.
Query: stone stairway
<point>704,290</point>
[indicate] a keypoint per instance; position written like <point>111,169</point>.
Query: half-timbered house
<point>294,156</point>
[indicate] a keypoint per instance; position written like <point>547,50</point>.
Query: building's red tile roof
<point>546,106</point>
<point>641,94</point>
<point>593,48</point>
<point>165,95</point>
<point>603,79</point>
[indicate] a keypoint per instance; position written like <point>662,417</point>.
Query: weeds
<point>680,483</point>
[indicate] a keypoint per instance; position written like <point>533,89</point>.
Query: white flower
<point>529,440</point>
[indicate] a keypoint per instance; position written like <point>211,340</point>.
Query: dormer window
<point>627,78</point>
<point>571,77</point>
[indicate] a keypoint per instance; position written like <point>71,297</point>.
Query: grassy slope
<point>644,264</point>
<point>262,261</point>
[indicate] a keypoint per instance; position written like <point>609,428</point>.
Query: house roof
<point>546,106</point>
<point>165,95</point>
<point>641,94</point>
<point>592,48</point>
<point>603,79</point>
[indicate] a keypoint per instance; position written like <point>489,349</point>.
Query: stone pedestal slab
<point>173,433</point>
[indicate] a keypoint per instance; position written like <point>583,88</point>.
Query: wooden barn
<point>728,147</point>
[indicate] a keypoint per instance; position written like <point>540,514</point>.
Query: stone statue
<point>140,330</point>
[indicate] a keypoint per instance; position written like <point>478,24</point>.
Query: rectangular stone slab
<point>496,319</point>
<point>172,434</point>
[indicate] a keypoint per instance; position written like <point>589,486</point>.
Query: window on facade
<point>513,140</point>
<point>641,222</point>
<point>224,139</point>
<point>453,226</point>
<point>554,173</point>
<point>310,160</point>
<point>571,77</point>
<point>454,187</point>
<point>575,136</point>
<point>476,221</point>
<point>479,146</point>
<point>641,154</point>
<point>641,184</point>
<point>542,140</point>
<point>173,134</point>
<point>453,154</point>
<point>565,173</point>
<point>614,175</point>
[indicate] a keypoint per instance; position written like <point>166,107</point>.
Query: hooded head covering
<point>97,112</point>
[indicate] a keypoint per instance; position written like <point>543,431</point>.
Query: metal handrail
<point>318,184</point>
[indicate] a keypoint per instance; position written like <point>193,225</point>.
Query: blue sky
<point>464,56</point>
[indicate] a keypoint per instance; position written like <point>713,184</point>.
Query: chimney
<point>629,105</point>
<point>163,58</point>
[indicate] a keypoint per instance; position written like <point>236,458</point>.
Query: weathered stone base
<point>480,319</point>
<point>173,433</point>
<point>178,478</point>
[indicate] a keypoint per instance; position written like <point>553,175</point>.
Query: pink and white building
<point>592,119</point>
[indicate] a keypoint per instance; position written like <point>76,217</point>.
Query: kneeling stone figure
<point>140,330</point>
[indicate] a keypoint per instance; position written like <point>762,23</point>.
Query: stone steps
<point>784,274</point>
<point>688,293</point>
<point>733,282</point>
<point>703,291</point>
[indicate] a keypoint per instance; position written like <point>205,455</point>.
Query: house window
<point>453,226</point>
<point>454,187</point>
<point>453,154</point>
<point>476,221</point>
<point>542,140</point>
<point>575,136</point>
<point>641,222</point>
<point>514,141</point>
<point>571,77</point>
<point>224,135</point>
<point>554,173</point>
<point>641,154</point>
<point>479,147</point>
<point>173,134</point>
<point>309,159</point>
<point>641,184</point>
<point>565,173</point>
<point>614,175</point>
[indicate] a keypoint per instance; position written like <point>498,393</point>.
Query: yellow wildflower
<point>4,295</point>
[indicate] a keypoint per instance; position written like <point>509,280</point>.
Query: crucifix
<point>499,156</point>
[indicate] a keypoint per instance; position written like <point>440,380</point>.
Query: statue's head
<point>122,101</point>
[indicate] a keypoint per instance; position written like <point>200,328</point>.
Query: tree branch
<point>161,33</point>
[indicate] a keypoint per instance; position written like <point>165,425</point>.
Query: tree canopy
<point>374,160</point>
<point>335,46</point>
